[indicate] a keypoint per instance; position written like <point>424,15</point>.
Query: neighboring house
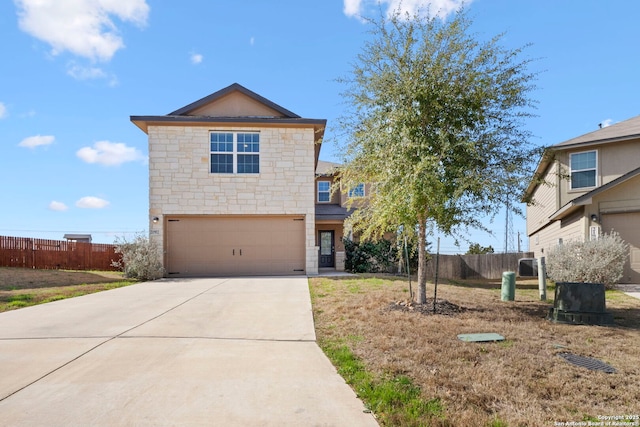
<point>591,186</point>
<point>231,180</point>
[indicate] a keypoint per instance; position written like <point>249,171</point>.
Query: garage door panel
<point>628,225</point>
<point>207,246</point>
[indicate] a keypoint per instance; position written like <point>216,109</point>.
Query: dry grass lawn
<point>517,382</point>
<point>22,287</point>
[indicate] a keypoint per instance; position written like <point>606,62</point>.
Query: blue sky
<point>74,71</point>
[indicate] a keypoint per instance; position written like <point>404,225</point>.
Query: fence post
<point>542,278</point>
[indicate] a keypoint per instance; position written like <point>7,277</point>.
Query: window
<point>235,152</point>
<point>357,191</point>
<point>583,169</point>
<point>324,191</point>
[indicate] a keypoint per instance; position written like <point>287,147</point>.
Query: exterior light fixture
<point>155,219</point>
<point>594,217</point>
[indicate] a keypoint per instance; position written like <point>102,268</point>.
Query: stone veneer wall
<point>180,182</point>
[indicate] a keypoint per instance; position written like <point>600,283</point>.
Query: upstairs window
<point>583,169</point>
<point>324,191</point>
<point>235,152</point>
<point>357,191</point>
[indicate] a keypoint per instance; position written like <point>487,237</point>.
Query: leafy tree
<point>434,123</point>
<point>476,249</point>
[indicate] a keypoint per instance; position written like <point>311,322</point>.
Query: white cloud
<point>441,8</point>
<point>82,27</point>
<point>90,202</point>
<point>606,122</point>
<point>58,206</point>
<point>79,72</point>
<point>36,141</point>
<point>352,7</point>
<point>196,58</point>
<point>3,111</point>
<point>110,153</point>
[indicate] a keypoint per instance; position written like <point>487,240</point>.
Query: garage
<point>628,225</point>
<point>234,245</point>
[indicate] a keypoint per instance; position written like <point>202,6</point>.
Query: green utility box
<point>508,286</point>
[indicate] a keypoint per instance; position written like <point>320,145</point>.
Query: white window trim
<point>571,171</point>
<point>235,153</point>
<point>318,191</point>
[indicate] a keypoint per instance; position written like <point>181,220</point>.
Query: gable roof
<point>185,116</point>
<point>235,87</point>
<point>326,168</point>
<point>269,114</point>
<point>586,199</point>
<point>623,131</point>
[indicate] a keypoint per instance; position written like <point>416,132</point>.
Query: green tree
<point>476,249</point>
<point>435,124</point>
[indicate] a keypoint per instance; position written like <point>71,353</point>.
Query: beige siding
<point>235,104</point>
<point>180,182</point>
<point>545,201</point>
<point>573,228</point>
<point>618,159</point>
<point>614,160</point>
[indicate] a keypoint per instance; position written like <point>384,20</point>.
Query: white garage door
<point>628,225</point>
<point>229,246</point>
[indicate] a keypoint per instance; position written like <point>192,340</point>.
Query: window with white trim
<point>583,169</point>
<point>324,191</point>
<point>357,191</point>
<point>235,152</point>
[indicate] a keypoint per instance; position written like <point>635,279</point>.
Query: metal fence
<point>56,254</point>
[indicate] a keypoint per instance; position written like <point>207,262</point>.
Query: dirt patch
<point>442,307</point>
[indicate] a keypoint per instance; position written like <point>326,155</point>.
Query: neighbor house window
<point>583,169</point>
<point>357,191</point>
<point>235,152</point>
<point>324,191</point>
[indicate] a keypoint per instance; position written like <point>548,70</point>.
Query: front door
<point>326,249</point>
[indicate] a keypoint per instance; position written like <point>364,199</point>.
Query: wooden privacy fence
<point>488,266</point>
<point>56,254</point>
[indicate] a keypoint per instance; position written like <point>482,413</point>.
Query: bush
<point>369,257</point>
<point>594,261</point>
<point>381,256</point>
<point>141,258</point>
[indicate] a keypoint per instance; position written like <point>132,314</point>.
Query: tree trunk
<point>422,260</point>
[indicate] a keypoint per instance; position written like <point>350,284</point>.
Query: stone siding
<point>180,182</point>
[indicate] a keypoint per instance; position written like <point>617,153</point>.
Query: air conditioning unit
<point>528,267</point>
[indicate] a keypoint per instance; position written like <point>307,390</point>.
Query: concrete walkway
<point>201,352</point>
<point>631,290</point>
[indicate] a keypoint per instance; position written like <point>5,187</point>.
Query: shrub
<point>381,256</point>
<point>594,261</point>
<point>369,257</point>
<point>141,258</point>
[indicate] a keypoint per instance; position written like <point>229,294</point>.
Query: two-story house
<point>587,186</point>
<point>231,188</point>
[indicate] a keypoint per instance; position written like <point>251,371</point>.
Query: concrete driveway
<point>210,352</point>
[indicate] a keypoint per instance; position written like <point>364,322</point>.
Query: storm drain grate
<point>587,362</point>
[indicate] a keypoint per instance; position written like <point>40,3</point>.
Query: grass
<point>411,370</point>
<point>20,287</point>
